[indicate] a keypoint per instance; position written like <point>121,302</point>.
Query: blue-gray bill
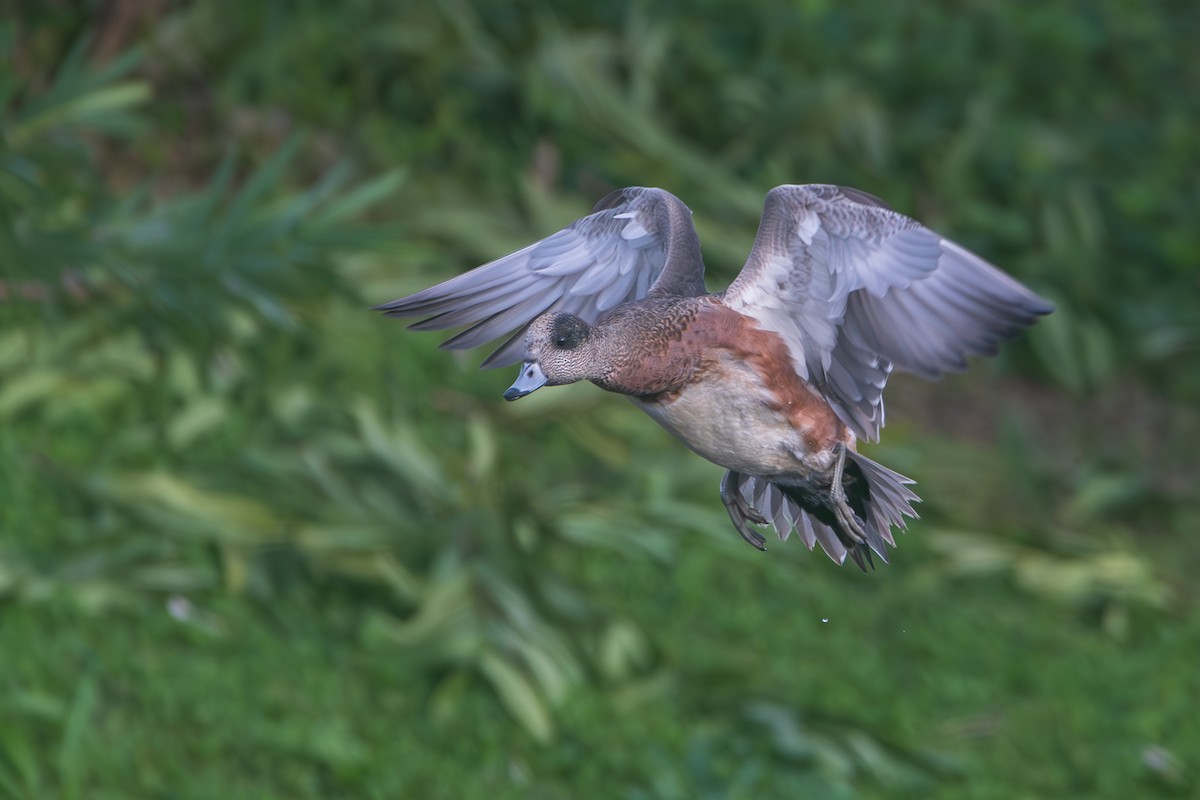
<point>530,380</point>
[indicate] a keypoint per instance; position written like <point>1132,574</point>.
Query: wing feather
<point>855,289</point>
<point>636,242</point>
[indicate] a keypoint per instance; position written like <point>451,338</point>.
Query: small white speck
<point>824,619</point>
<point>180,608</point>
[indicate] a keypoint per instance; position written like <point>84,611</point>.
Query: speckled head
<point>557,352</point>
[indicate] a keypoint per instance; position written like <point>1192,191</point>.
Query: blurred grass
<point>255,541</point>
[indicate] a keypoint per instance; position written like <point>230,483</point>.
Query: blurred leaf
<point>81,109</point>
<point>623,650</point>
<point>71,758</point>
<point>399,447</point>
<point>226,515</point>
<point>195,420</point>
<point>1105,493</point>
<point>1111,575</point>
<point>518,696</point>
<point>445,625</point>
<point>26,389</point>
<point>355,202</point>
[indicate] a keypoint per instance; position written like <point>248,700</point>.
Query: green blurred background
<point>257,541</point>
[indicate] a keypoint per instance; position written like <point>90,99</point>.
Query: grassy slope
<point>951,688</point>
<point>1023,701</point>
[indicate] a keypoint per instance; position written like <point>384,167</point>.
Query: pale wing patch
<point>807,226</point>
<point>635,230</point>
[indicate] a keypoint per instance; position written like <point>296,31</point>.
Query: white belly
<point>729,422</point>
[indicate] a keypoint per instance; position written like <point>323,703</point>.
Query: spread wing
<point>636,242</point>
<point>856,289</point>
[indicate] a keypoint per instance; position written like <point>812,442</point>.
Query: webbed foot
<point>847,519</point>
<point>741,513</point>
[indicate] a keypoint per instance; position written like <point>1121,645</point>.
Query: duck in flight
<point>777,377</point>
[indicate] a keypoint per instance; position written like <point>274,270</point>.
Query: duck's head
<point>556,353</point>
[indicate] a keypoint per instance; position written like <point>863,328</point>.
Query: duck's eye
<point>561,341</point>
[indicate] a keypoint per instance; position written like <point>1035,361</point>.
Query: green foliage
<point>255,541</point>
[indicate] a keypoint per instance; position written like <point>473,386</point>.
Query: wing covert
<point>636,241</point>
<point>856,289</point>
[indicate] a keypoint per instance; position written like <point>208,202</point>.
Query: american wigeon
<point>774,378</point>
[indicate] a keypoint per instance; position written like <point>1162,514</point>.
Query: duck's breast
<point>744,407</point>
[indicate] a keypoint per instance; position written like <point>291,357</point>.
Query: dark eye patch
<point>568,332</point>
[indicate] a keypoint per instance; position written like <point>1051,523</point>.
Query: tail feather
<point>888,501</point>
<point>879,496</point>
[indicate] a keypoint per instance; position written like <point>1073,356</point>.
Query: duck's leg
<point>741,513</point>
<point>846,517</point>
